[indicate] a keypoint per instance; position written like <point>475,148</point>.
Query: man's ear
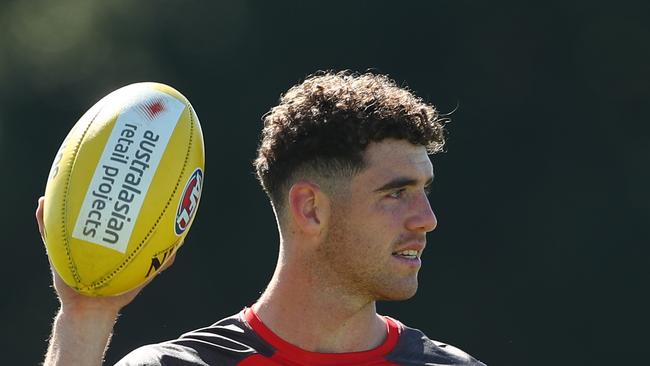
<point>309,207</point>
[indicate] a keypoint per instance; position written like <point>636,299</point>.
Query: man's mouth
<point>408,254</point>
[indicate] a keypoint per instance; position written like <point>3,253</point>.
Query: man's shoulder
<point>226,342</point>
<point>231,340</point>
<point>415,348</point>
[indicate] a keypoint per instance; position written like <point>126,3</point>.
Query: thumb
<point>39,217</point>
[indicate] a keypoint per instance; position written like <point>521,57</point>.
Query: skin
<point>83,325</point>
<point>337,258</point>
<point>337,252</point>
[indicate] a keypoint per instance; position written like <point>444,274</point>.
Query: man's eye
<point>398,193</point>
<point>427,190</point>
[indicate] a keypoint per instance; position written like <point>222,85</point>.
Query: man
<point>344,159</point>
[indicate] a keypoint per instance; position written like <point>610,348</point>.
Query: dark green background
<point>540,256</point>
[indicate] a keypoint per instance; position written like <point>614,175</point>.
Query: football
<point>124,188</point>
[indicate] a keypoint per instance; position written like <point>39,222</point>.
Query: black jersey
<point>243,340</point>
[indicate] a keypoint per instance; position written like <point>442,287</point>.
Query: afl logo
<point>189,201</point>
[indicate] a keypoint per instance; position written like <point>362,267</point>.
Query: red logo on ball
<point>153,108</point>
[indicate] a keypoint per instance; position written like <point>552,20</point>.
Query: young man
<point>344,159</point>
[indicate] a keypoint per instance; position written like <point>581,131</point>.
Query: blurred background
<point>541,252</point>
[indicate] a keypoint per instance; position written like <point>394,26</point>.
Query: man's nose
<point>423,220</point>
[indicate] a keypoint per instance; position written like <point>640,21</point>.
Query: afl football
<point>124,188</point>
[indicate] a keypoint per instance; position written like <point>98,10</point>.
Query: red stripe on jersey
<point>258,360</point>
<point>288,354</point>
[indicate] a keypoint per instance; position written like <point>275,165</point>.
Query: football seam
<point>64,216</point>
<point>104,280</point>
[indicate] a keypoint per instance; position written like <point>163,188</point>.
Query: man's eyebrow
<point>400,182</point>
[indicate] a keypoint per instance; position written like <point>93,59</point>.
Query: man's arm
<point>83,326</point>
<point>80,336</point>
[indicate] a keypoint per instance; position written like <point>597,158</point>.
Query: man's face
<point>377,229</point>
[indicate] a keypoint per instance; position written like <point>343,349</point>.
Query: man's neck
<point>317,318</point>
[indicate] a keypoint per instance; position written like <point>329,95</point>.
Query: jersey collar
<point>293,353</point>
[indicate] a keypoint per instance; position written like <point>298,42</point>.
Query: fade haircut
<point>323,126</point>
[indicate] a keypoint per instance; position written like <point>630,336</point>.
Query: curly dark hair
<point>324,125</point>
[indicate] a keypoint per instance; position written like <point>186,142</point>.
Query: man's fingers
<point>169,262</point>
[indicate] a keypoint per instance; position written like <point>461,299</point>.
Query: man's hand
<point>84,324</point>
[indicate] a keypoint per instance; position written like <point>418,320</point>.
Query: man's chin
<point>399,293</point>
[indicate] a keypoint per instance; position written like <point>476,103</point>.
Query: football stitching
<point>103,281</point>
<point>64,216</point>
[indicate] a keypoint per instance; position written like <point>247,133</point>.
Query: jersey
<point>243,340</point>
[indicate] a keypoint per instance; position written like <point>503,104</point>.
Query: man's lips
<point>410,250</point>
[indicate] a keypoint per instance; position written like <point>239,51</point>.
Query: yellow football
<point>124,189</point>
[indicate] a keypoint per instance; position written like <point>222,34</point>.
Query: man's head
<point>344,160</point>
<point>322,126</point>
